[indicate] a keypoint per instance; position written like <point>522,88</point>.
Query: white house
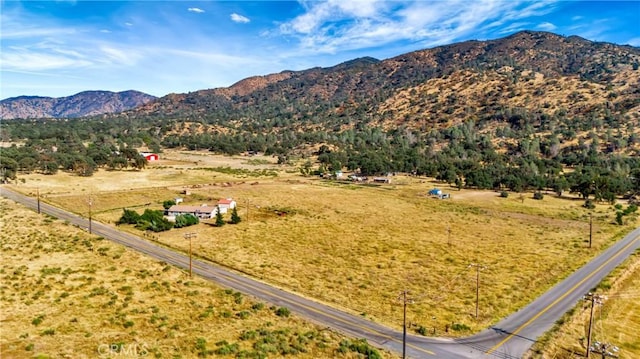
<point>226,204</point>
<point>202,212</point>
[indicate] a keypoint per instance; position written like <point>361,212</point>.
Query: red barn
<point>150,156</point>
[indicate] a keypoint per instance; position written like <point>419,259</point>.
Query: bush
<point>359,346</point>
<point>422,330</point>
<point>589,204</point>
<point>459,327</point>
<point>37,320</point>
<point>283,312</point>
<point>504,194</point>
<point>538,195</point>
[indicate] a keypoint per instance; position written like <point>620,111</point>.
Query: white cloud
<point>239,18</point>
<point>196,10</point>
<point>336,25</point>
<point>105,31</point>
<point>634,42</point>
<point>128,24</point>
<point>26,60</point>
<point>547,26</point>
<point>577,17</point>
<point>119,56</point>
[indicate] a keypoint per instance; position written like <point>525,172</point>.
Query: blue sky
<point>59,48</point>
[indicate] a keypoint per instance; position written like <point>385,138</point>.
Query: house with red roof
<point>226,204</point>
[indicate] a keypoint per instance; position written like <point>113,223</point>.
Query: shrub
<point>37,320</point>
<point>422,330</point>
<point>359,346</point>
<point>283,312</point>
<point>589,204</point>
<point>538,195</point>
<point>49,332</point>
<point>504,194</point>
<point>459,327</point>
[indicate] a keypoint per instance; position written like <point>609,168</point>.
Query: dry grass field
<point>616,322</point>
<point>356,246</point>
<point>67,294</point>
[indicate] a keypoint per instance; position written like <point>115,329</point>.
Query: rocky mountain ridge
<point>87,103</point>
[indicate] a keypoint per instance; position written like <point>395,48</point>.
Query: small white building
<point>226,204</point>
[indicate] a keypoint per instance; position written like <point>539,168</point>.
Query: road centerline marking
<point>569,291</point>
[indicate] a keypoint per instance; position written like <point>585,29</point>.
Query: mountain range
<point>87,103</point>
<point>535,72</point>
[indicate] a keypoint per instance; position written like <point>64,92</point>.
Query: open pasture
<point>357,246</point>
<point>68,294</point>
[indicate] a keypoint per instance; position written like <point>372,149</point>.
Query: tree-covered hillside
<point>513,113</point>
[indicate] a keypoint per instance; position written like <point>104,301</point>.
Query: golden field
<point>68,294</point>
<point>356,246</point>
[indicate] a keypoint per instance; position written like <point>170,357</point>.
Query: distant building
<point>438,193</point>
<point>435,192</point>
<point>202,212</point>
<point>150,156</point>
<point>382,180</point>
<point>226,204</point>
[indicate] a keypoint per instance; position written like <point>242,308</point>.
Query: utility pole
<point>594,299</point>
<point>189,236</point>
<point>478,268</point>
<point>590,228</point>
<point>403,297</point>
<point>38,195</point>
<point>90,207</point>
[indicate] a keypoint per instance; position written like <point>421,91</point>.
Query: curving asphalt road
<point>509,339</point>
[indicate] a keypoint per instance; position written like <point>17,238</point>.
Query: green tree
<point>168,203</point>
<point>185,220</point>
<point>8,169</point>
<point>153,220</point>
<point>128,217</point>
<point>219,219</point>
<point>235,218</point>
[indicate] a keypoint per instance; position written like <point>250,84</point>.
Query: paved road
<point>509,339</point>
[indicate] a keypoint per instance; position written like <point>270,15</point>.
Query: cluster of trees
<point>79,159</point>
<point>511,156</point>
<point>154,220</point>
